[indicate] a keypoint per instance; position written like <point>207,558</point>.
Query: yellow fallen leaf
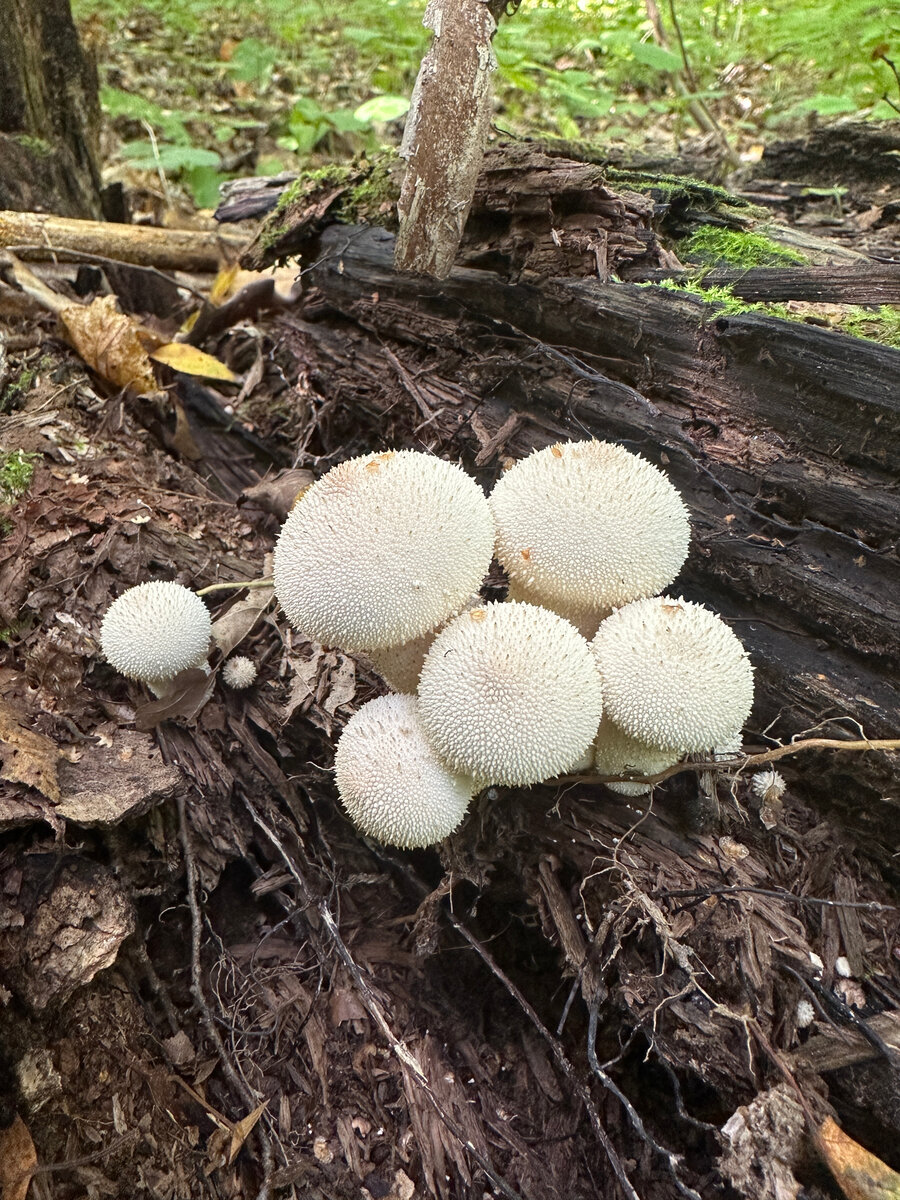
<point>18,1160</point>
<point>223,284</point>
<point>861,1175</point>
<point>241,1130</point>
<point>110,343</point>
<point>191,361</point>
<point>27,757</point>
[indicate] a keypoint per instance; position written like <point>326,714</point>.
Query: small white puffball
<point>509,694</point>
<point>239,672</point>
<point>615,753</point>
<point>584,527</point>
<point>842,967</point>
<point>154,631</point>
<point>382,549</point>
<point>806,1014</point>
<point>769,785</point>
<point>390,780</point>
<point>674,675</point>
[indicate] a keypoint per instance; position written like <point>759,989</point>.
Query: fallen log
<point>875,283</point>
<point>783,438</point>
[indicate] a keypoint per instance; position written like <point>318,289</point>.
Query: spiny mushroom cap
<point>239,672</point>
<point>586,622</point>
<point>400,666</point>
<point>390,780</point>
<point>615,753</point>
<point>509,694</point>
<point>588,526</point>
<point>674,675</point>
<point>382,549</point>
<point>155,630</point>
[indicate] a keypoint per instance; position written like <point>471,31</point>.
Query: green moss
<point>724,298</point>
<point>364,202</point>
<point>315,179</point>
<point>36,145</point>
<point>881,325</point>
<point>16,472</point>
<point>711,244</point>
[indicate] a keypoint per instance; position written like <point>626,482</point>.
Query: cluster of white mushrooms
<point>585,667</point>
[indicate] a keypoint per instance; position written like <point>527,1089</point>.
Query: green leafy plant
<point>16,473</point>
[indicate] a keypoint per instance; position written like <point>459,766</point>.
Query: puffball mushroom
<point>154,631</point>
<point>382,549</point>
<point>584,527</point>
<point>390,780</point>
<point>674,675</point>
<point>239,672</point>
<point>615,753</point>
<point>509,694</point>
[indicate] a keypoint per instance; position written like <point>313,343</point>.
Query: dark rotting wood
<point>878,283</point>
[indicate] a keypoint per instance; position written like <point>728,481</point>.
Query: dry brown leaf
<point>110,343</point>
<point>191,361</point>
<point>27,757</point>
<point>241,1130</point>
<point>861,1175</point>
<point>232,627</point>
<point>18,1160</point>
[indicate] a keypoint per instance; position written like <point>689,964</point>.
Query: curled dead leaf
<point>110,343</point>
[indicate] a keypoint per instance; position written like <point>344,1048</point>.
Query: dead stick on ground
<point>745,760</point>
<point>206,1017</point>
<point>375,1010</point>
<point>559,1054</point>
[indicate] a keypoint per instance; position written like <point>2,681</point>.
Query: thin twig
<point>684,893</point>
<point>206,1017</point>
<point>742,761</point>
<point>559,1054</point>
<point>670,1159</point>
<point>247,583</point>
<point>374,1007</point>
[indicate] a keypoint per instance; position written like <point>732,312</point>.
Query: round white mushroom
<point>382,549</point>
<point>239,672</point>
<point>615,753</point>
<point>154,631</point>
<point>584,527</point>
<point>509,694</point>
<point>390,781</point>
<point>674,675</point>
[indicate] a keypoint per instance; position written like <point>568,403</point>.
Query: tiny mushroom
<point>154,631</point>
<point>674,675</point>
<point>239,672</point>
<point>509,694</point>
<point>583,527</point>
<point>390,781</point>
<point>615,753</point>
<point>382,549</point>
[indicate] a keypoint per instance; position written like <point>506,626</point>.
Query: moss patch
<point>713,245</point>
<point>16,473</point>
<point>876,325</point>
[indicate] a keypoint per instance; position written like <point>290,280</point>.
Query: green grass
<point>299,82</point>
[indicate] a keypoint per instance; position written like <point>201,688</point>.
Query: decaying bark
<point>445,133</point>
<point>49,112</point>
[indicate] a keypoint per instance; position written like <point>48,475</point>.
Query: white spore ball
<point>615,753</point>
<point>382,549</point>
<point>674,675</point>
<point>509,694</point>
<point>390,781</point>
<point>239,672</point>
<point>154,631</point>
<point>584,527</point>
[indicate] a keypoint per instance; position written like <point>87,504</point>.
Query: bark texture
<point>49,112</point>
